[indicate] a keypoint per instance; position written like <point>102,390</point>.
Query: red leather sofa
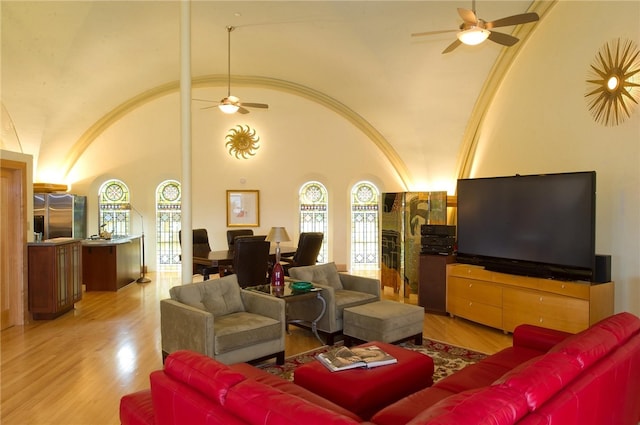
<point>546,377</point>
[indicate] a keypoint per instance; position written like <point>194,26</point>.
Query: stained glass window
<point>168,216</point>
<point>364,226</point>
<point>314,214</point>
<point>114,205</point>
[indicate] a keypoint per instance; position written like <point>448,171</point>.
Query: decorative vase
<point>277,291</point>
<point>277,275</point>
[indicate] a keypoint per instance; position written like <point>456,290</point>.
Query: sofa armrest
<point>263,304</point>
<point>183,327</point>
<point>137,409</point>
<point>537,338</point>
<point>360,284</point>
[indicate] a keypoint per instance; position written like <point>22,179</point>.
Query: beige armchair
<point>219,319</point>
<point>340,291</point>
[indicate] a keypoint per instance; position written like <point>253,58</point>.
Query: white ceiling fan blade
<point>468,16</point>
<point>504,39</point>
<point>522,18</point>
<point>255,105</point>
<point>420,34</point>
<point>452,46</point>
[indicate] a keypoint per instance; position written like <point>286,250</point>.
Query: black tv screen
<point>539,225</point>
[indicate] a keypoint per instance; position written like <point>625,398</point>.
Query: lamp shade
<point>473,36</point>
<point>278,234</point>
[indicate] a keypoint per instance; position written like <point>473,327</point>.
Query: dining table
<point>225,258</point>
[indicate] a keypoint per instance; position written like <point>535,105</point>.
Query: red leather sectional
<point>546,377</point>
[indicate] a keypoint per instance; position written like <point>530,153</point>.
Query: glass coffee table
<point>289,295</point>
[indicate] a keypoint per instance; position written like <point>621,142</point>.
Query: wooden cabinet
<point>55,277</point>
<point>110,265</point>
<point>432,280</point>
<point>504,301</point>
<point>475,300</point>
<point>544,309</point>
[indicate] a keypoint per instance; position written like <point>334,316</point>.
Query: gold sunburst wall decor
<point>614,83</point>
<point>242,141</point>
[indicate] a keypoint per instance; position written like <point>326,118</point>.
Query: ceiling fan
<point>232,104</point>
<point>474,30</point>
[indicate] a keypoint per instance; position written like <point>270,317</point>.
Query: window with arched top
<point>314,213</point>
<point>114,206</point>
<point>364,226</point>
<point>168,219</point>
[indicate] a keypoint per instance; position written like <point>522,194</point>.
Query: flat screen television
<point>534,225</point>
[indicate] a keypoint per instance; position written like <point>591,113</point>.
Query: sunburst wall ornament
<point>242,141</point>
<point>613,84</point>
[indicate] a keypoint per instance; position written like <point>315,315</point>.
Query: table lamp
<point>277,235</point>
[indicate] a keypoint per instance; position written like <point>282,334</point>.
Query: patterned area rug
<point>447,359</point>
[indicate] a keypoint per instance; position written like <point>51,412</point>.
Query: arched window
<point>314,213</point>
<point>364,226</point>
<point>115,208</point>
<point>168,216</point>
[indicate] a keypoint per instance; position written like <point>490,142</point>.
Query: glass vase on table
<point>277,235</point>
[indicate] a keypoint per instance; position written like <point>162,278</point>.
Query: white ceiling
<point>67,64</point>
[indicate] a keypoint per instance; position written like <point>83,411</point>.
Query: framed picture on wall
<point>243,208</point>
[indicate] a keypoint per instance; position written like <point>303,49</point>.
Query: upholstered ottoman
<point>387,321</point>
<point>366,391</point>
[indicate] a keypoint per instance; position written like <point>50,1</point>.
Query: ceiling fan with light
<point>474,30</point>
<point>231,104</point>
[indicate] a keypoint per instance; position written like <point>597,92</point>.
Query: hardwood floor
<point>74,369</point>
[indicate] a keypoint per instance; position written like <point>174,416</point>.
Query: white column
<point>185,132</point>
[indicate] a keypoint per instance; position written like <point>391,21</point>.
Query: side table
<point>289,296</point>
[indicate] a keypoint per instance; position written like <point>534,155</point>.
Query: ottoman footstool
<point>386,321</point>
<point>366,391</point>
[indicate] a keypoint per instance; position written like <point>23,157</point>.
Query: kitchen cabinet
<point>55,277</point>
<point>108,265</point>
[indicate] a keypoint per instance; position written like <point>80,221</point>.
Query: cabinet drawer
<point>544,309</point>
<point>475,290</point>
<point>577,290</point>
<point>465,270</point>
<point>515,280</point>
<point>478,312</point>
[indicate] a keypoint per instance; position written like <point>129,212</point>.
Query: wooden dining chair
<point>250,261</point>
<point>234,233</point>
<point>309,246</point>
<point>201,248</point>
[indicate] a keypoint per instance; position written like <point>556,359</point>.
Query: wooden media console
<point>504,301</point>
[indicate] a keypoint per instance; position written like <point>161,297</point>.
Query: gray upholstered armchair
<point>221,320</point>
<point>340,291</point>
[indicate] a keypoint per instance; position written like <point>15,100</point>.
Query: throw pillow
<point>218,296</point>
<point>323,274</point>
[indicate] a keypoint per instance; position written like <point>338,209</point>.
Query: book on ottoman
<point>344,358</point>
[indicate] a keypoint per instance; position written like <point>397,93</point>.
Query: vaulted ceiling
<point>65,65</point>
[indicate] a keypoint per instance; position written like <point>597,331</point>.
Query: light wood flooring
<point>74,369</point>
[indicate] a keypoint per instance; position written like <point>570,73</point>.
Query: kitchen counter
<point>110,264</point>
<point>109,242</point>
<point>53,242</point>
